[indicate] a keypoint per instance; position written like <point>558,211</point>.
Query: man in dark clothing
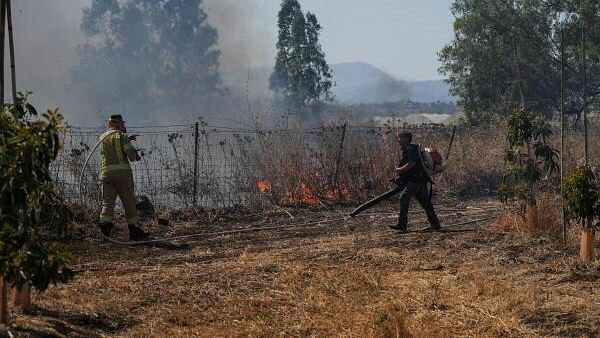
<point>412,177</point>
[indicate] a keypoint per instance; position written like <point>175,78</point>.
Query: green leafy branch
<point>581,195</point>
<point>529,157</point>
<point>28,145</point>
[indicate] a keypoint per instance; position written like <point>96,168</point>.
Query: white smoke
<point>48,32</point>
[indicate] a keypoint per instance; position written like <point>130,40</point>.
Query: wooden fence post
<point>3,287</point>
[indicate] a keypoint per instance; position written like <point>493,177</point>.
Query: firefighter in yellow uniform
<point>116,152</point>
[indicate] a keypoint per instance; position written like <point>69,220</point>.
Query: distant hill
<point>359,82</point>
<point>355,82</point>
<point>431,91</point>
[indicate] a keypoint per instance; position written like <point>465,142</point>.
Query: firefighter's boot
<point>399,227</point>
<point>136,233</point>
<point>105,228</point>
<point>434,225</point>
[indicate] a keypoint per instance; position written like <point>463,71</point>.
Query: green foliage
<point>528,155</point>
<point>28,145</point>
<point>499,45</point>
<point>301,73</point>
<point>149,56</point>
<point>581,195</point>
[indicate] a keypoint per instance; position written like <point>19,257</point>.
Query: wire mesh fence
<point>216,167</point>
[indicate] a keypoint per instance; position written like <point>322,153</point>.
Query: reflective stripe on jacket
<point>115,152</point>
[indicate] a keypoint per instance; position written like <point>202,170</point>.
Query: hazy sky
<point>399,36</point>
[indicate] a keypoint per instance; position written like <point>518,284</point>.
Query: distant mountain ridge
<point>431,91</point>
<point>357,82</point>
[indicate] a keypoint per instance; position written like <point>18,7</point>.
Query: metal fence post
<point>338,160</point>
<point>196,139</point>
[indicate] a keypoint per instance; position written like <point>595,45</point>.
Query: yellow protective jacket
<point>115,153</point>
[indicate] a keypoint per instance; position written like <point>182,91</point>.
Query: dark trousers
<point>421,194</point>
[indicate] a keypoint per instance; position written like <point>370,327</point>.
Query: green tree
<point>301,74</point>
<point>504,50</point>
<point>28,145</point>
<point>148,55</point>
<point>581,196</point>
<point>529,155</point>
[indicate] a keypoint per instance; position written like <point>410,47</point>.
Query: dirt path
<point>344,278</point>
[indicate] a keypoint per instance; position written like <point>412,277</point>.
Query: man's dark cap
<point>117,117</point>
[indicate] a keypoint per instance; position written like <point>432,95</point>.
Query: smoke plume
<point>48,34</point>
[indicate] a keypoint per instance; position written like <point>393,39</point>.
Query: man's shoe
<point>137,234</point>
<point>432,229</point>
<point>398,228</point>
<point>105,228</point>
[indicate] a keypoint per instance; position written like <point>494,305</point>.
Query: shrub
<point>28,145</point>
<point>581,195</point>
<point>528,157</point>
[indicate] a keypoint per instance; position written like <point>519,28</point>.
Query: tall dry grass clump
<point>391,323</point>
<point>474,165</point>
<point>514,218</point>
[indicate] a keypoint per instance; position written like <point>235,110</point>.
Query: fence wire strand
<point>244,167</point>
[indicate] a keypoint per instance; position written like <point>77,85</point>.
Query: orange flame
<point>335,193</point>
<point>303,195</point>
<point>263,186</point>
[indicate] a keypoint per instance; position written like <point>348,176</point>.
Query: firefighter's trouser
<point>421,194</point>
<point>119,183</point>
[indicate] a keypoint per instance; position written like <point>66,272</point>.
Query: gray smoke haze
<point>48,32</point>
<point>46,35</point>
<point>244,42</point>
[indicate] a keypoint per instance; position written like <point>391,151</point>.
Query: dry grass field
<point>327,277</point>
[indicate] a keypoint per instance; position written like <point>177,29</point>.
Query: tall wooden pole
<point>584,95</point>
<point>22,296</point>
<point>586,250</point>
<point>2,35</point>
<point>11,44</point>
<point>562,130</point>
<point>3,285</point>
